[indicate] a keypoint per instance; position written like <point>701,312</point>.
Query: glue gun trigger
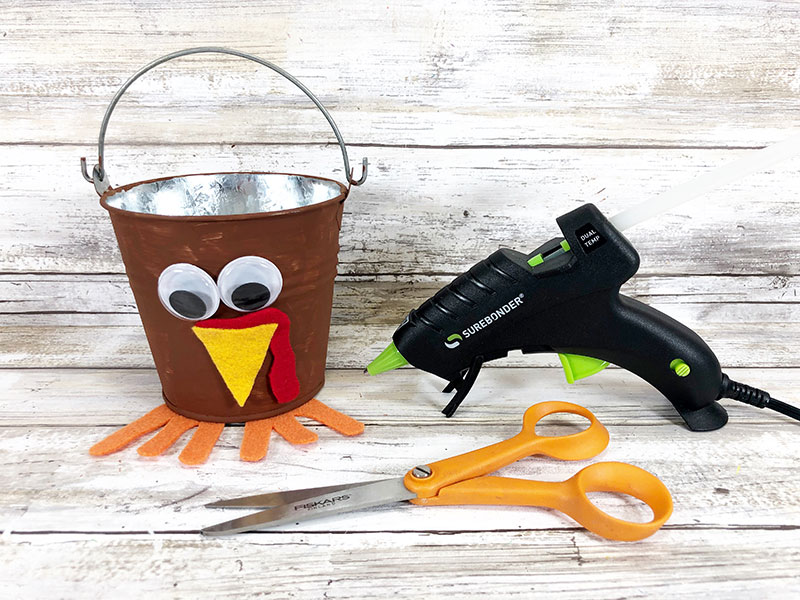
<point>462,386</point>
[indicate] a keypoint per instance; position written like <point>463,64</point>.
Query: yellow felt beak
<point>238,354</point>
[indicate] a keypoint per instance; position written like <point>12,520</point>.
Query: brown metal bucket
<point>233,277</point>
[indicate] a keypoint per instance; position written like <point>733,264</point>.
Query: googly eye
<point>188,292</point>
<point>249,283</point>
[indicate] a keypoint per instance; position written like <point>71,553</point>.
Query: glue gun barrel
<point>387,360</point>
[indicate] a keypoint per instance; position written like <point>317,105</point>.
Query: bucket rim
<point>341,197</point>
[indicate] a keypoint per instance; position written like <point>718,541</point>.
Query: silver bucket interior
<point>224,194</point>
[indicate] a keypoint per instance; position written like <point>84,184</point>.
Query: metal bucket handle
<point>99,175</point>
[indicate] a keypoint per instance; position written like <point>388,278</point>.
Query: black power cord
<point>755,397</point>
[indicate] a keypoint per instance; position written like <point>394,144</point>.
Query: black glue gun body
<point>564,297</point>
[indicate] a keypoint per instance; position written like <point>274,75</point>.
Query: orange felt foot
<point>256,440</point>
<point>163,440</point>
<point>119,439</point>
<point>173,426</point>
<point>254,443</point>
<point>292,431</point>
<point>199,447</point>
<point>340,422</point>
<point>257,433</point>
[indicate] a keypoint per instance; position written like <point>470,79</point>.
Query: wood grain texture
<point>501,72</point>
<point>483,122</point>
<point>741,336</point>
<point>372,299</point>
<point>428,211</point>
<point>89,321</point>
<point>678,564</point>
<point>112,397</point>
<point>80,517</point>
<point>80,493</point>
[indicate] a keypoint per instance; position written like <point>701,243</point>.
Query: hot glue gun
<point>564,297</point>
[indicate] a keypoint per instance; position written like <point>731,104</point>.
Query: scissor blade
<point>278,498</point>
<point>331,503</point>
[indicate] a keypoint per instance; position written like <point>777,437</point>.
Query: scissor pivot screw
<point>421,472</point>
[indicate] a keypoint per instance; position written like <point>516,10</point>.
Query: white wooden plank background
<point>483,122</point>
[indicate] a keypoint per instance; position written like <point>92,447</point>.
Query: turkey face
<point>236,345</point>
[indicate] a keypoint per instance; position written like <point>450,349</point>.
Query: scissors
<point>462,480</point>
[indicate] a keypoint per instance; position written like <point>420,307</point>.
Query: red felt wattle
<point>282,374</point>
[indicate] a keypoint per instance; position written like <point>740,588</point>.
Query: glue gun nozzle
<point>387,360</point>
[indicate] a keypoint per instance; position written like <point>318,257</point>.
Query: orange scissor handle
<point>576,446</point>
<point>570,497</point>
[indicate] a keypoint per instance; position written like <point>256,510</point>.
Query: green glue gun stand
<point>564,298</point>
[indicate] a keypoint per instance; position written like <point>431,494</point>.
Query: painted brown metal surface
<point>303,243</point>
